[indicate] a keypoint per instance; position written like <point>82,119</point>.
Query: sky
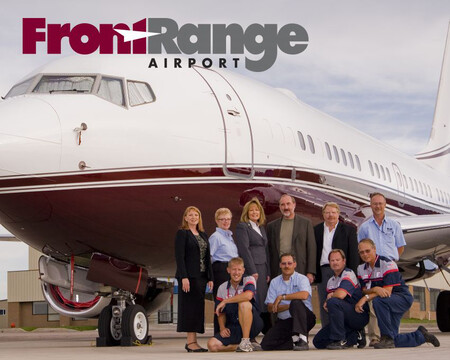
<point>374,65</point>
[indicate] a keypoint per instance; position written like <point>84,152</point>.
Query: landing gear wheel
<point>135,324</point>
<point>106,330</point>
<point>443,311</point>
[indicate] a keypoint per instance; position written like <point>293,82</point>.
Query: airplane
<point>102,154</point>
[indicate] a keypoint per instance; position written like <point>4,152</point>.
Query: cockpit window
<point>111,89</point>
<point>139,93</point>
<point>60,83</point>
<point>20,89</point>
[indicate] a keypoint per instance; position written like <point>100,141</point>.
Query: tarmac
<point>167,344</point>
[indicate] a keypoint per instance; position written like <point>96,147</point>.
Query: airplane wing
<point>427,237</point>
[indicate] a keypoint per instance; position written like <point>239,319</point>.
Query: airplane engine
<point>120,294</point>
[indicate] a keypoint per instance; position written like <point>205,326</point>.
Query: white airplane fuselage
<point>210,138</point>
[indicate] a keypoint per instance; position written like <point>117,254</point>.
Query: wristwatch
<point>284,296</point>
<point>367,297</point>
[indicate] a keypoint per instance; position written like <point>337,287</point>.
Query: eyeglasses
<point>289,263</point>
<point>224,219</point>
<point>361,252</point>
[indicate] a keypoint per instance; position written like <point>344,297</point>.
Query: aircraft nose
<point>30,137</point>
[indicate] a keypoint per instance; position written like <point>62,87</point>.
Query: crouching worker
<point>289,297</point>
<point>236,310</point>
<point>384,286</point>
<point>346,326</point>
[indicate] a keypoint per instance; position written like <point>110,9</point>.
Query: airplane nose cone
<point>30,137</point>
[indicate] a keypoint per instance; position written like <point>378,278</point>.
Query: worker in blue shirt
<point>289,296</point>
<point>384,286</point>
<point>388,237</point>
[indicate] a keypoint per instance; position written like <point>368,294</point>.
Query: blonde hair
<point>222,211</point>
<point>331,204</point>
<point>185,225</point>
<point>262,216</point>
<point>236,261</point>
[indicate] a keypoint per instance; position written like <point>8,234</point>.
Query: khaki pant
<point>372,328</point>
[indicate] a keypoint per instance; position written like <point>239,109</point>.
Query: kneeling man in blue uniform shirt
<point>384,286</point>
<point>346,326</point>
<point>289,297</point>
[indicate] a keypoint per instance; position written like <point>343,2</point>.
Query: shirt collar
<point>227,233</point>
<point>240,284</point>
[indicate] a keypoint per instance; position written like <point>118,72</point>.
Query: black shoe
<point>361,340</point>
<point>300,345</point>
<point>386,342</point>
<point>200,349</point>
<point>429,338</point>
<point>338,345</point>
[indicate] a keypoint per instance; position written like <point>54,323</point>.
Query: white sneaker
<point>244,346</point>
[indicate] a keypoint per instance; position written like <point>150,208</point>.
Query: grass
<point>29,328</point>
<point>78,328</point>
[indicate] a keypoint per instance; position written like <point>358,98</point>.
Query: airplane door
<point>399,178</point>
<point>237,129</point>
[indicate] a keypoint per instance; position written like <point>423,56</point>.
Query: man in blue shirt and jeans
<point>388,237</point>
<point>289,296</point>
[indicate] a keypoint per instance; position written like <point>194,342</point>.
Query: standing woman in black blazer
<point>252,244</point>
<point>194,271</point>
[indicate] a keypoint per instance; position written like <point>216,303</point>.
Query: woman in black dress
<point>194,272</point>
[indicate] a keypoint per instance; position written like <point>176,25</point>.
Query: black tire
<point>105,330</point>
<point>135,324</point>
<point>443,311</point>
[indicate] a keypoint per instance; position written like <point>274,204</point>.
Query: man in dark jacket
<point>332,234</point>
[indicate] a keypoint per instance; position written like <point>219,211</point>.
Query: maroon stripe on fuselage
<point>127,175</point>
<point>110,175</point>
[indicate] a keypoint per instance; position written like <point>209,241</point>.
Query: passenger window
<point>388,175</point>
<point>371,168</point>
<point>382,172</point>
<point>139,93</point>
<point>327,147</point>
<point>344,159</point>
<point>350,159</point>
<point>357,162</point>
<point>336,154</point>
<point>378,171</point>
<point>405,181</point>
<point>111,90</point>
<point>302,140</point>
<point>311,145</point>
